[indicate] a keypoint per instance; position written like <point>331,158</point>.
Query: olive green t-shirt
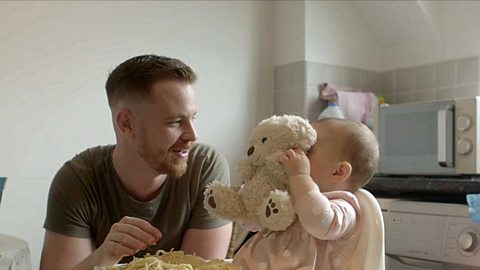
<point>86,198</point>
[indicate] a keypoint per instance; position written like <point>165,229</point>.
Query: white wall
<point>390,34</point>
<point>329,32</point>
<point>54,60</point>
<point>458,36</point>
<point>336,34</point>
<point>289,32</point>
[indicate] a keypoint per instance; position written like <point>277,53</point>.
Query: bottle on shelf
<point>331,111</point>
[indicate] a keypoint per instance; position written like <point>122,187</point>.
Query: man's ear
<point>343,171</point>
<point>124,121</point>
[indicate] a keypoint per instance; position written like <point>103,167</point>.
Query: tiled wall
<point>438,81</point>
<point>296,84</point>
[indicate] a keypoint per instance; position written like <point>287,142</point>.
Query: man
<point>145,193</point>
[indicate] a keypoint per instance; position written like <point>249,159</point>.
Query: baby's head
<point>345,156</point>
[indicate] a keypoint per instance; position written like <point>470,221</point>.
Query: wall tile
<point>445,74</point>
<point>389,98</point>
<point>424,77</point>
<point>404,97</point>
<point>296,84</point>
<point>301,114</point>
<point>467,91</point>
<point>289,100</point>
<point>404,80</point>
<point>427,95</point>
<point>447,93</point>
<point>387,82</point>
<point>289,76</point>
<point>369,81</point>
<point>312,116</point>
<point>351,77</point>
<point>314,105</point>
<point>378,83</point>
<point>334,74</point>
<point>316,73</point>
<point>467,71</point>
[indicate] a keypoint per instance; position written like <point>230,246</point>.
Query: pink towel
<point>355,104</point>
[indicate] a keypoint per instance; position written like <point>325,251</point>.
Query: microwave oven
<point>438,138</point>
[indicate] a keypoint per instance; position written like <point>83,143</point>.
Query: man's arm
<point>208,243</point>
<point>125,238</point>
<point>64,252</point>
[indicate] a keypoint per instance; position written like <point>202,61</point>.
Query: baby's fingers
<point>282,158</point>
<point>290,153</point>
<point>299,151</point>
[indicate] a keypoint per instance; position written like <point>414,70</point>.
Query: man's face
<point>166,131</point>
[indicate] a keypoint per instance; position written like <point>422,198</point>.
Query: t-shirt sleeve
<point>67,207</point>
<point>214,168</point>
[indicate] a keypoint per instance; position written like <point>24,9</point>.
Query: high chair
<point>369,253</point>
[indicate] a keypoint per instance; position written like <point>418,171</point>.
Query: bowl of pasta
<point>172,260</point>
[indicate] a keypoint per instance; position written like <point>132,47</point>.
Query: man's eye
<point>177,122</point>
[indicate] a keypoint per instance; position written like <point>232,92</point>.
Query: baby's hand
<point>295,162</point>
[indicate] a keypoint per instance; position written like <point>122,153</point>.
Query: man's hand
<point>295,162</point>
<point>126,238</point>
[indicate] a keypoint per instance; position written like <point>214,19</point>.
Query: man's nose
<point>190,134</point>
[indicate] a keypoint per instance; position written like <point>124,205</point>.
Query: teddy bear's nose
<point>250,150</point>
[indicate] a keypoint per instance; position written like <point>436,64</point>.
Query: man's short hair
<point>134,78</point>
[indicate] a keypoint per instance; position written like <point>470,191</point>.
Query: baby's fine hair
<point>358,145</point>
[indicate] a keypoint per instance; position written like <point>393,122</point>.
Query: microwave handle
<point>445,137</point>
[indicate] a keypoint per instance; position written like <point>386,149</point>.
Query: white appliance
<point>430,138</point>
<point>427,235</point>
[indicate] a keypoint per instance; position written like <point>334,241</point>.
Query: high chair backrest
<point>369,253</point>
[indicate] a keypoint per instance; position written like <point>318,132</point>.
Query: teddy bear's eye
<point>264,139</point>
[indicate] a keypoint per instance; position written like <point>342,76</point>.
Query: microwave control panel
<point>467,135</point>
<point>429,235</point>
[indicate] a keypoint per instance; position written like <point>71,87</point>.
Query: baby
<point>322,184</point>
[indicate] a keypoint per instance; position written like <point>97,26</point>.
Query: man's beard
<point>163,162</point>
<point>177,170</point>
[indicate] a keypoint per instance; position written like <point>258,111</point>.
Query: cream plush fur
<point>263,200</point>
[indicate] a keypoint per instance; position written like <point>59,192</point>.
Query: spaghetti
<point>174,260</point>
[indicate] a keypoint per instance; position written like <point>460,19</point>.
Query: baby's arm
<point>320,217</point>
<point>297,167</point>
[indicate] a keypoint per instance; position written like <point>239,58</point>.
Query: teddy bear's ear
<point>306,135</point>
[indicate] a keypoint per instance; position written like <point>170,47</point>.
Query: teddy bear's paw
<point>271,208</point>
<point>213,188</point>
<point>276,213</point>
<point>210,200</point>
<point>222,201</point>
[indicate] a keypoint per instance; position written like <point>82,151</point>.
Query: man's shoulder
<point>206,153</point>
<point>93,156</point>
<point>85,164</point>
<point>202,149</point>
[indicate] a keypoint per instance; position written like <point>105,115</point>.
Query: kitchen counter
<point>435,188</point>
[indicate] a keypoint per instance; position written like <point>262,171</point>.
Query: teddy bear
<point>263,200</point>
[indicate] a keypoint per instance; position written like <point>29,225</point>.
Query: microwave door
<point>445,137</point>
<point>409,141</point>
